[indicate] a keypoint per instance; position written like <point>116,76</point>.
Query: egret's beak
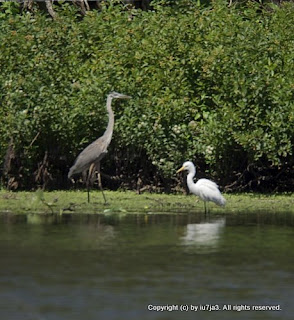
<point>181,169</point>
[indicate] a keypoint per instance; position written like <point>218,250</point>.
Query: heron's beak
<point>126,97</point>
<point>181,169</point>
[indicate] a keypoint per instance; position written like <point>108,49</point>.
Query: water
<point>118,267</point>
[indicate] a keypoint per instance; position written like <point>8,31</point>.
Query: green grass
<point>130,202</point>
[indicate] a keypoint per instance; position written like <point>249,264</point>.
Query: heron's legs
<point>99,181</point>
<point>94,166</point>
<point>88,192</point>
<point>100,186</point>
<point>88,180</point>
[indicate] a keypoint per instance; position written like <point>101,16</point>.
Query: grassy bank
<point>130,202</point>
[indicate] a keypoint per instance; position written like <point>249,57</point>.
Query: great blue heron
<point>90,157</point>
<point>206,189</point>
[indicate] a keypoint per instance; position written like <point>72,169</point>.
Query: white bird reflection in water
<point>204,236</point>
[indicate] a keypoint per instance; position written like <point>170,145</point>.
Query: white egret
<point>206,189</point>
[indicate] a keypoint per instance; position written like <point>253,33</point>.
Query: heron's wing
<point>93,153</point>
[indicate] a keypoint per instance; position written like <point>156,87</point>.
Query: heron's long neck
<point>190,176</point>
<point>109,129</point>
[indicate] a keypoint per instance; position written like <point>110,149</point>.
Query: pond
<point>146,266</point>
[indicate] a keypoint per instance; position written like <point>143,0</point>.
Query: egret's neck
<point>190,176</point>
<point>109,129</point>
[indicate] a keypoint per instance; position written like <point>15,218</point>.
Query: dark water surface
<point>118,267</point>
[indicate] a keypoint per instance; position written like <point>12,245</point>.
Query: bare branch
<point>50,9</point>
<point>28,4</point>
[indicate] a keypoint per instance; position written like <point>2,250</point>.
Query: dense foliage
<point>214,85</point>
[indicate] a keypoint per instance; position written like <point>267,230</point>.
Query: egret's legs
<point>205,208</point>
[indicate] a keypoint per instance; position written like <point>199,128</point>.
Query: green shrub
<point>213,85</point>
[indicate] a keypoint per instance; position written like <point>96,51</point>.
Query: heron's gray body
<point>93,153</point>
<point>91,156</point>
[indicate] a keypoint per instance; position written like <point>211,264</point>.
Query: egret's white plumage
<point>206,189</point>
